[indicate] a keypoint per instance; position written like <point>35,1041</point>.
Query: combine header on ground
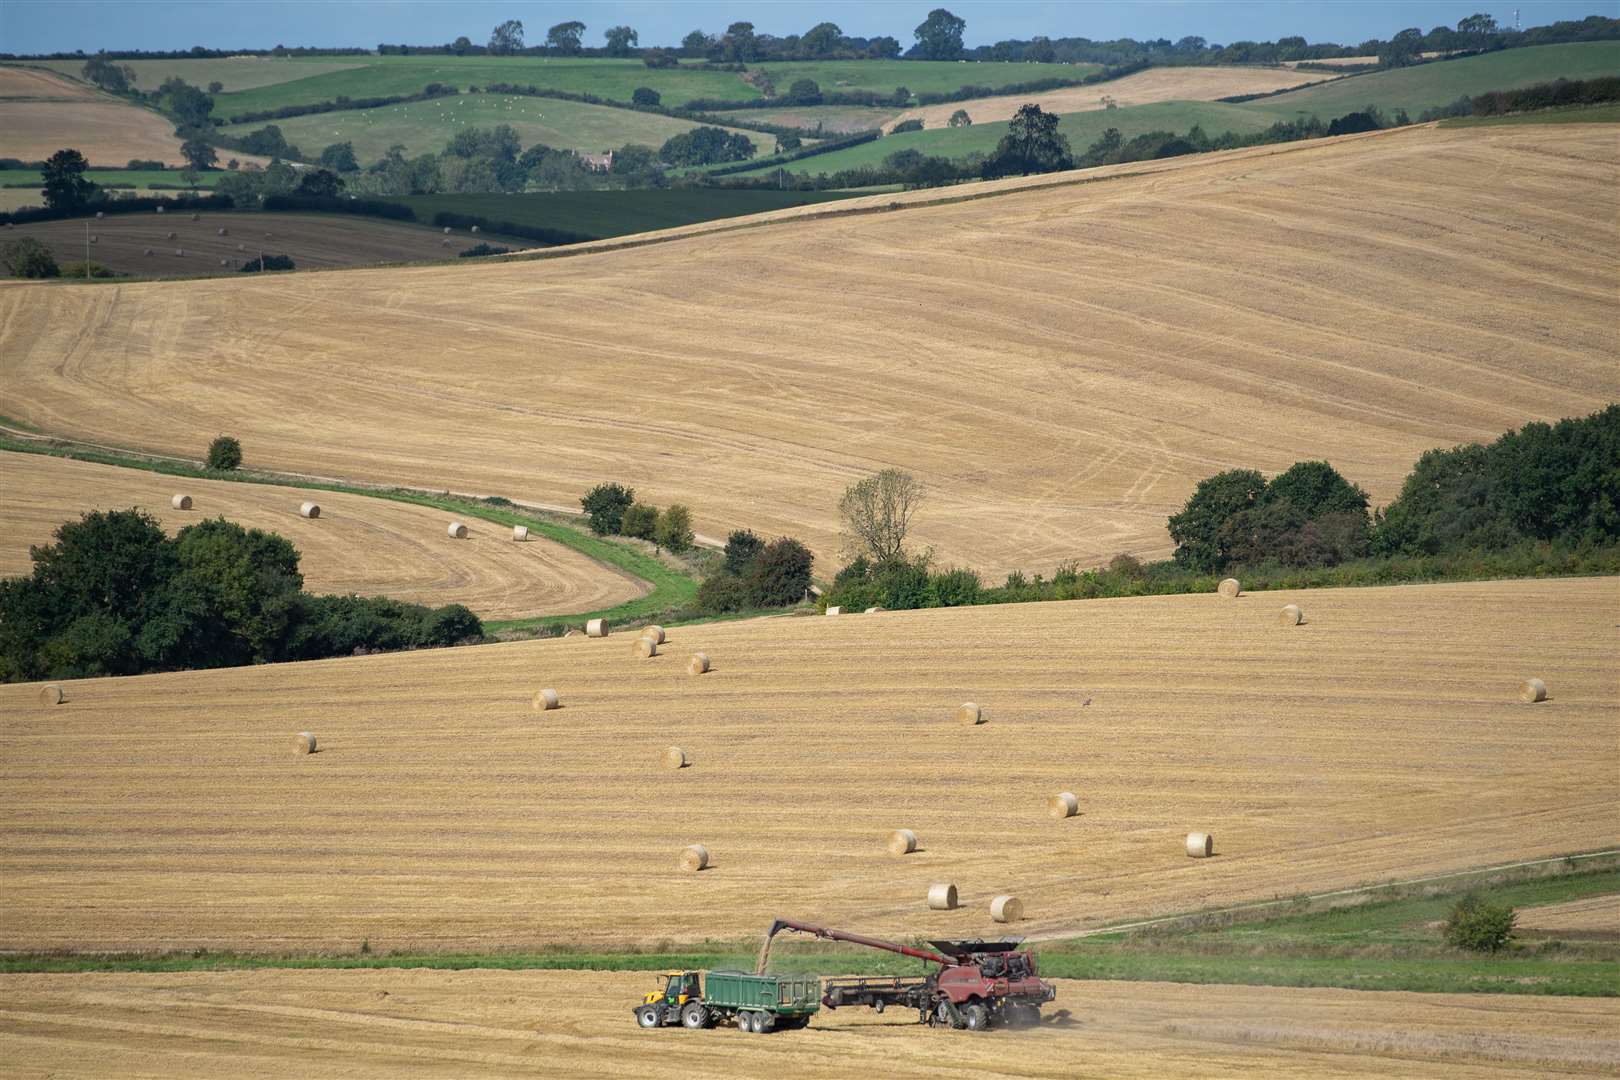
<point>979,983</point>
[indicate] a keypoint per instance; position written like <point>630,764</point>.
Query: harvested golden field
<point>1384,739</point>
<point>1592,915</point>
<point>1142,88</point>
<point>1059,365</point>
<point>388,1024</point>
<point>363,545</point>
<point>33,84</point>
<point>314,241</point>
<point>105,130</point>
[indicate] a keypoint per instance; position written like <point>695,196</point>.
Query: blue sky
<point>28,26</point>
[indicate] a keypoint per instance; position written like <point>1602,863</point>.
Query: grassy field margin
<point>671,590</point>
<point>1378,938</point>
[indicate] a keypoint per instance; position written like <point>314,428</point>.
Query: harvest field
<point>105,130</point>
<point>614,213</point>
<point>314,241</point>
<point>1086,346</point>
<point>1142,88</point>
<point>358,545</point>
<point>1591,916</point>
<point>235,72</point>
<point>426,126</point>
<point>25,84</point>
<point>1382,739</point>
<point>387,1024</point>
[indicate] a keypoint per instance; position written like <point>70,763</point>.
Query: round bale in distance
<point>1291,615</point>
<point>674,758</point>
<point>1065,804</point>
<point>1230,588</point>
<point>695,858</point>
<point>222,231</point>
<point>310,510</point>
<point>520,533</point>
<point>447,230</point>
<point>698,665</point>
<point>596,628</point>
<point>1532,691</point>
<point>546,700</point>
<point>160,209</point>
<point>1200,845</point>
<point>196,217</point>
<point>180,502</point>
<point>942,897</point>
<point>457,531</point>
<point>305,743</point>
<point>873,610</point>
<point>655,632</point>
<point>969,714</point>
<point>50,694</point>
<point>835,610</point>
<point>902,842</point>
<point>1006,909</point>
<point>646,648</point>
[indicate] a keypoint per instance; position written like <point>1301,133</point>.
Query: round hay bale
<point>695,858</point>
<point>305,743</point>
<point>447,230</point>
<point>873,610</point>
<point>596,628</point>
<point>224,262</point>
<point>180,251</point>
<point>698,665</point>
<point>646,648</point>
<point>221,232</point>
<point>146,251</point>
<point>655,632</point>
<point>95,238</point>
<point>1200,845</point>
<point>942,897</point>
<point>160,209</point>
<point>1006,909</point>
<point>457,531</point>
<point>51,694</point>
<point>475,229</point>
<point>1532,691</point>
<point>309,510</point>
<point>674,758</point>
<point>546,700</point>
<point>1290,615</point>
<point>180,502</point>
<point>100,214</point>
<point>969,714</point>
<point>835,611</point>
<point>520,533</point>
<point>168,236</point>
<point>902,842</point>
<point>196,217</point>
<point>1230,588</point>
<point>1065,804</point>
<point>241,247</point>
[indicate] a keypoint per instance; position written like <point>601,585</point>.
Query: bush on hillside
<point>28,258</point>
<point>640,521</point>
<point>779,575</point>
<point>268,263</point>
<point>1480,926</point>
<point>224,453</point>
<point>741,548</point>
<point>674,529</point>
<point>605,505</point>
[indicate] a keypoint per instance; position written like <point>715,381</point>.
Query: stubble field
<point>387,1024</point>
<point>1059,366</point>
<point>1383,739</point>
<point>358,545</point>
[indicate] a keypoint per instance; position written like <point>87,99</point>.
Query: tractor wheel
<point>647,1016</point>
<point>975,1017</point>
<point>695,1016</point>
<point>945,1015</point>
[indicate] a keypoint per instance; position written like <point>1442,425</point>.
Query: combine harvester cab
<point>980,984</point>
<point>757,1003</point>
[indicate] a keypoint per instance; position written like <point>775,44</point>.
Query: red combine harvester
<point>979,983</point>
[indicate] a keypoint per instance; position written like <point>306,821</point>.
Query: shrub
<point>705,146</point>
<point>1478,925</point>
<point>224,453</point>
<point>906,125</point>
<point>674,529</point>
<point>960,119</point>
<point>741,547</point>
<point>605,504</point>
<point>780,574</point>
<point>903,583</point>
<point>92,269</point>
<point>956,588</point>
<point>640,521</point>
<point>722,592</point>
<point>1196,529</point>
<point>484,249</point>
<point>659,58</point>
<point>646,96</point>
<point>268,263</point>
<point>1125,565</point>
<point>28,258</point>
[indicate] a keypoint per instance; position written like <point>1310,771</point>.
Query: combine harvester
<point>980,984</point>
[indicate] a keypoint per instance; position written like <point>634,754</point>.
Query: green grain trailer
<point>757,1003</point>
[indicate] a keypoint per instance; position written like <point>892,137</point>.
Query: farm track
<point>1383,739</point>
<point>366,1024</point>
<point>1059,365</point>
<point>358,544</point>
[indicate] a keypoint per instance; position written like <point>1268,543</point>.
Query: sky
<point>33,26</point>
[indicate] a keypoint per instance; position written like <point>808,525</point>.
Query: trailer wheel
<point>975,1017</point>
<point>745,1021</point>
<point>695,1016</point>
<point>647,1016</point>
<point>764,1022</point>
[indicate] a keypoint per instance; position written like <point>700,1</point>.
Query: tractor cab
<point>679,988</point>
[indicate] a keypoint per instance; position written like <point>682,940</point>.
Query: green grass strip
<point>671,590</point>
